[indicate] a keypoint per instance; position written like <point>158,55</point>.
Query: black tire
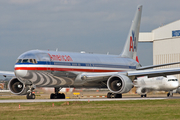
<point>109,95</point>
<point>27,96</point>
<point>145,95</point>
<point>57,96</point>
<point>62,96</point>
<point>117,95</point>
<point>168,94</point>
<point>52,96</point>
<point>32,96</point>
<point>142,95</point>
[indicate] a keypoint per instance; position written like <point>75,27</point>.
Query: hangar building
<point>166,44</point>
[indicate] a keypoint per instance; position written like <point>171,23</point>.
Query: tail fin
<point>130,48</point>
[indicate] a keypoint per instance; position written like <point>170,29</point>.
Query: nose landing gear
<point>170,94</point>
<point>30,94</point>
<point>144,95</point>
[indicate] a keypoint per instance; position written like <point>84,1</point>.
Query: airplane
<point>44,68</point>
<point>145,85</point>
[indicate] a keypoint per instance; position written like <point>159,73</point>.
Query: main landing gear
<point>113,95</point>
<point>57,95</point>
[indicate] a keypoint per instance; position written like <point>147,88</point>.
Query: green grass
<point>137,109</point>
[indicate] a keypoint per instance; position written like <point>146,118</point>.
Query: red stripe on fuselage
<point>65,69</point>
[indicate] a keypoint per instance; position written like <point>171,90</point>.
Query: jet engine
<point>141,91</point>
<point>178,90</point>
<point>119,84</point>
<point>17,87</point>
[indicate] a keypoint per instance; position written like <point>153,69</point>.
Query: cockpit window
<point>172,80</point>
<point>35,61</point>
<point>19,61</point>
<point>31,60</point>
<point>26,61</point>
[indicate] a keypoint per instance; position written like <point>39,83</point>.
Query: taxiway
<point>64,100</point>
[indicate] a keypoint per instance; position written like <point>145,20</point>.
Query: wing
<point>98,77</point>
<point>154,66</point>
<point>7,73</point>
<point>154,72</point>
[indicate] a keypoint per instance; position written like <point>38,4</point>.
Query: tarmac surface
<point>64,100</point>
<point>85,96</point>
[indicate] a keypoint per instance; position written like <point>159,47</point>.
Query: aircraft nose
<point>175,84</point>
<point>20,73</point>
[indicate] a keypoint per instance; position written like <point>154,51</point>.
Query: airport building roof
<point>168,31</point>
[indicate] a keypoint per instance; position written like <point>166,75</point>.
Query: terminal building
<point>166,44</point>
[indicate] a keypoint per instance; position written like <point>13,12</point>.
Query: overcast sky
<point>97,26</point>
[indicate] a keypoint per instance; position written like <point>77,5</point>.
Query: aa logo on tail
<point>132,44</point>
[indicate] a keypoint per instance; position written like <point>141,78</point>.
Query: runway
<point>64,100</point>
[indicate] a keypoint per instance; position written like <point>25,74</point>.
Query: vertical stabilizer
<point>130,48</point>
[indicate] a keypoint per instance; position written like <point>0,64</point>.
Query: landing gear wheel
<point>144,95</point>
<point>109,95</point>
<point>30,96</point>
<point>57,96</point>
<point>62,96</point>
<point>170,94</point>
<point>33,96</point>
<point>52,96</point>
<point>117,95</point>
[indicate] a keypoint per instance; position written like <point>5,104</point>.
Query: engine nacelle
<point>178,90</point>
<point>119,84</point>
<point>17,87</point>
<point>141,91</point>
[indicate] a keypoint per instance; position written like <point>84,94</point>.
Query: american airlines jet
<point>39,68</point>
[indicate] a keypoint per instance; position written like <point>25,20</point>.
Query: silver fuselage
<point>62,69</point>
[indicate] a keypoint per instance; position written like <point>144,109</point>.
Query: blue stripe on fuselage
<point>80,64</point>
